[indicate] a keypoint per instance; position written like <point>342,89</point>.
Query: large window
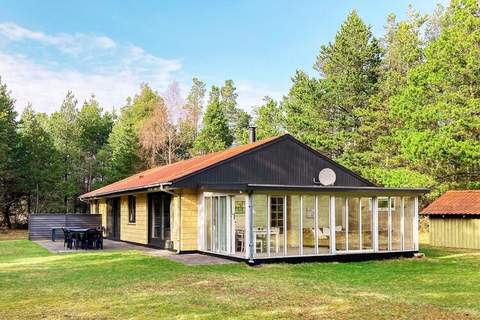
<point>396,230</point>
<point>340,223</point>
<point>323,218</point>
<point>132,215</point>
<point>293,225</point>
<point>383,223</point>
<point>409,214</point>
<point>260,213</point>
<point>366,215</point>
<point>239,223</point>
<point>308,224</point>
<point>353,224</point>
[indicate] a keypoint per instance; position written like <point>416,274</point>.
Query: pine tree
<point>40,165</point>
<point>350,69</point>
<point>215,134</point>
<point>268,119</point>
<point>438,111</point>
<point>123,143</point>
<point>9,155</point>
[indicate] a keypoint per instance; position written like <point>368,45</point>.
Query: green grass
<point>35,284</point>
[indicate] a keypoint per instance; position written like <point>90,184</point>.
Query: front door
<point>159,226</point>
<point>113,218</point>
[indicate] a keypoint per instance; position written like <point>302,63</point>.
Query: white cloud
<point>40,68</point>
<point>251,94</point>
<point>70,43</point>
<point>81,63</point>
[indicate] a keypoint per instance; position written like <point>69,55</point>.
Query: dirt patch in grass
<point>15,234</point>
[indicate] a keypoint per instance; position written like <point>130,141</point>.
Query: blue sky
<point>110,47</point>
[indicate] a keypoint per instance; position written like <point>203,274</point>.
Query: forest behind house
<point>403,110</point>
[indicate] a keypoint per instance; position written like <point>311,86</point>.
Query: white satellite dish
<point>327,177</point>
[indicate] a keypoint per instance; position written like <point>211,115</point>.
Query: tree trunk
<point>6,216</point>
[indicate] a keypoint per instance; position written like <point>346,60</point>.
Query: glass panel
<point>260,225</point>
<point>382,223</point>
<point>293,225</point>
<point>239,223</point>
<point>340,223</point>
<point>166,217</point>
<point>222,224</point>
<point>409,214</point>
<point>396,216</point>
<point>367,212</point>
<point>157,216</point>
<point>208,223</point>
<point>277,232</point>
<point>215,231</point>
<point>323,207</point>
<point>353,224</point>
<point>308,225</point>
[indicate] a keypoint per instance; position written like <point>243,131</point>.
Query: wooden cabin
<point>271,200</point>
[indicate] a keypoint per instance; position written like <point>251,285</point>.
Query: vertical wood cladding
<point>283,162</point>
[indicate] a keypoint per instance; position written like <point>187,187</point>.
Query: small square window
<point>383,203</point>
<point>131,209</point>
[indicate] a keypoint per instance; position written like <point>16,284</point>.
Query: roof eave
<point>123,191</point>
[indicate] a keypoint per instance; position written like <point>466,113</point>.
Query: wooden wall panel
<point>137,231</point>
<point>189,221</point>
<point>455,232</point>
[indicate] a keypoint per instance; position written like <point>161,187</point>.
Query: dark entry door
<point>113,218</point>
<point>159,227</point>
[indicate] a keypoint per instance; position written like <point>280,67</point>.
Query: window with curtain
<point>132,209</point>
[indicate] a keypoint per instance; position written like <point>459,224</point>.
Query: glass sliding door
<point>277,226</point>
<point>208,223</point>
<point>218,225</point>
<point>159,233</point>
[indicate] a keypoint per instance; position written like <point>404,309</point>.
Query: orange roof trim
<point>461,202</point>
<point>165,174</point>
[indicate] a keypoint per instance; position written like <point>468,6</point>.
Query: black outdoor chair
<point>99,242</point>
<point>90,239</point>
<point>66,239</point>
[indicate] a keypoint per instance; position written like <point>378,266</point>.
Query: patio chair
<point>90,238</point>
<point>66,239</point>
<point>99,241</point>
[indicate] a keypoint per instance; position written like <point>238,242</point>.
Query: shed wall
<point>455,232</point>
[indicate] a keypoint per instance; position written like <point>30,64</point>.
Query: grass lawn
<point>35,284</point>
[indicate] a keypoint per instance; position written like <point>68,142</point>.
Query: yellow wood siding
<point>189,217</point>
<point>102,207</point>
<point>455,232</point>
<point>137,231</point>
